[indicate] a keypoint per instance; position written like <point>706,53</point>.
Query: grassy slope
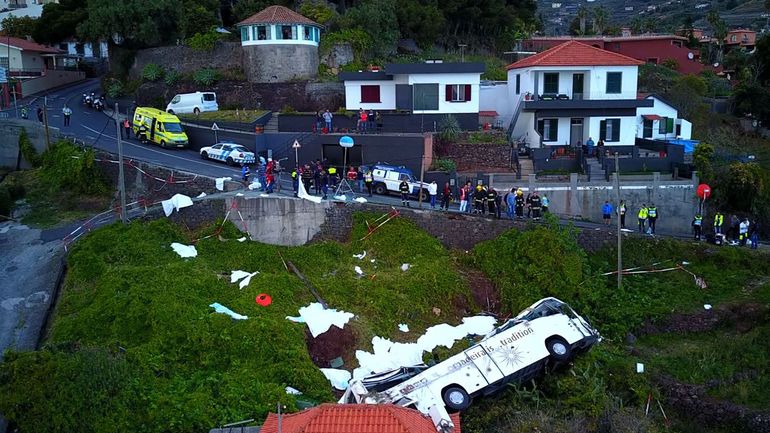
<point>134,340</point>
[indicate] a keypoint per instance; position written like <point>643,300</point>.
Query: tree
<point>582,17</point>
<point>197,16</point>
<point>379,19</point>
<point>422,22</point>
<point>18,27</point>
<point>689,32</point>
<point>720,33</point>
<point>59,21</point>
<point>702,157</point>
<point>601,18</point>
<point>318,11</point>
<point>687,94</point>
<point>133,23</point>
<point>752,99</point>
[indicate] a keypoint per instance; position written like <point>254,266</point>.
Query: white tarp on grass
<point>388,355</point>
<point>220,182</point>
<point>338,378</point>
<point>184,250</point>
<point>178,201</point>
<point>219,308</point>
<point>319,320</point>
<point>243,276</point>
<point>302,193</point>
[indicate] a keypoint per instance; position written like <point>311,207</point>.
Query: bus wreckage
<point>549,332</point>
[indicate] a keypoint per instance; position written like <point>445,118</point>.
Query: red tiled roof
<point>26,45</point>
<point>573,53</point>
<point>355,418</point>
<point>277,15</point>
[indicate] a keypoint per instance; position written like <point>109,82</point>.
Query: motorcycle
<point>86,99</point>
<point>99,104</point>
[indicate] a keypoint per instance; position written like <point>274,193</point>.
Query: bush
<point>449,129</point>
<point>28,150</point>
<point>206,77</point>
<point>69,168</point>
<point>359,40</point>
<point>152,72</point>
<point>172,77</point>
<point>288,109</point>
<point>115,89</point>
<point>670,64</point>
<point>444,164</point>
<point>203,41</point>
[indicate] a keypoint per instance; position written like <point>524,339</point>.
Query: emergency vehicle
<point>229,153</point>
<point>549,332</point>
<point>159,127</point>
<point>387,179</point>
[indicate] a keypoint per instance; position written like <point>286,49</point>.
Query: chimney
<point>625,32</point>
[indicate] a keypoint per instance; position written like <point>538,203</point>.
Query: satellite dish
<point>690,56</point>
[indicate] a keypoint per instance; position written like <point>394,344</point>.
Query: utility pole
<point>45,122</point>
<point>121,182</point>
<point>617,189</point>
<point>422,175</point>
<point>280,420</point>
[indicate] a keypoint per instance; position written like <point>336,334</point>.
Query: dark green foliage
<point>28,151</point>
<point>318,11</point>
<point>152,72</point>
<point>359,40</point>
<point>172,77</point>
<point>115,89</point>
<point>68,168</point>
<point>18,27</point>
<point>378,19</point>
<point>203,41</point>
<point>449,129</point>
<point>444,164</point>
<point>423,22</point>
<point>59,21</point>
<point>136,23</point>
<point>196,16</point>
<point>206,77</point>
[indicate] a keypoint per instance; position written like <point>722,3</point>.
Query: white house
<point>430,88</point>
<point>661,121</point>
<point>571,92</point>
<point>85,50</point>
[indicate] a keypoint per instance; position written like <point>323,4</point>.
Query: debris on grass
<point>263,299</point>
<point>219,308</point>
<point>243,239</point>
<point>358,270</point>
<point>341,197</point>
<point>403,327</point>
<point>243,276</point>
<point>360,256</point>
<point>184,251</point>
<point>293,391</point>
<point>361,200</point>
<point>707,306</point>
<point>405,267</point>
<point>319,319</point>
<point>338,378</point>
<point>255,185</point>
<point>220,182</point>
<point>639,367</point>
<point>178,201</point>
<point>201,195</point>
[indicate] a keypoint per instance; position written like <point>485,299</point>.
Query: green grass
<point>240,116</point>
<point>134,333</point>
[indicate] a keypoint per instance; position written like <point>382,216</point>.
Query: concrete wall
<point>391,122</point>
<point>675,200</point>
<point>9,139</point>
<point>52,78</point>
<point>279,221</point>
<point>280,63</point>
<point>226,55</point>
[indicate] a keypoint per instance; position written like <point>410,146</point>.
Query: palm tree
<point>582,16</point>
<point>720,32</point>
<point>600,19</point>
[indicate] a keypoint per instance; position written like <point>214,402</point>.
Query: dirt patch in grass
<point>331,344</point>
<point>484,293</point>
<point>743,317</point>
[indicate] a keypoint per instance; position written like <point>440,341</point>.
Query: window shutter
<point>467,92</point>
<point>616,130</point>
<point>670,125</point>
<point>448,93</point>
<point>603,130</point>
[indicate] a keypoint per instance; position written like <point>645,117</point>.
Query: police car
<point>387,179</point>
<point>230,153</point>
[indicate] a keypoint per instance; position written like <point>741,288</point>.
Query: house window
<point>609,130</point>
<point>647,128</point>
<point>425,97</point>
<point>548,129</point>
<point>4,62</point>
<point>614,80</point>
<point>288,32</point>
<point>245,34</point>
<point>551,83</point>
<point>370,94</point>
<point>307,34</point>
<point>261,33</point>
<point>733,38</point>
<point>666,125</point>
<point>458,92</point>
<point>677,43</point>
<point>518,84</point>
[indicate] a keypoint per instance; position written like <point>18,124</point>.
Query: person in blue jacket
<point>607,212</point>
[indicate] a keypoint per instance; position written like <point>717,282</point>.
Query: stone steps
<point>272,124</point>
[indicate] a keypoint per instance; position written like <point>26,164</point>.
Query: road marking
<point>157,151</point>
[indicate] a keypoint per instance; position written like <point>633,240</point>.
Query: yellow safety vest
<point>332,170</point>
<point>643,213</point>
<point>718,219</point>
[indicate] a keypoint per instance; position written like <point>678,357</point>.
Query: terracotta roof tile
<point>277,15</point>
<point>26,45</point>
<point>355,418</point>
<point>573,53</point>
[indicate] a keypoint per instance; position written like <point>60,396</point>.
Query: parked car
<point>197,103</point>
<point>549,332</point>
<point>229,153</point>
<point>387,179</point>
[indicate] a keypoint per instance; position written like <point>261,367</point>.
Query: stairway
<point>595,169</point>
<point>527,167</point>
<point>272,124</point>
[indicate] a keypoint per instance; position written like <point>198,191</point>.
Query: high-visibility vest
<point>719,219</point>
<point>368,178</point>
<point>698,220</point>
<point>643,213</point>
<point>294,174</point>
<point>332,171</point>
<point>652,212</point>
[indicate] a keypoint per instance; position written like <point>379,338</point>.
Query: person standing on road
<point>463,198</point>
<point>403,188</point>
<point>324,183</point>
<point>295,181</point>
<point>510,203</point>
<point>519,203</point>
<point>446,197</point>
<point>66,112</point>
<point>607,212</point>
<point>642,217</point>
<point>306,175</point>
<point>622,212</point>
<point>537,205</point>
<point>328,120</point>
<point>529,205</point>
<point>492,201</point>
<point>369,181</point>
<point>245,173</point>
<point>754,236</point>
<point>261,174</point>
<point>546,202</point>
<point>719,219</point>
<point>319,122</point>
<point>743,231</point>
<point>652,216</point>
<point>589,147</point>
<point>433,191</point>
<point>127,128</point>
<point>697,224</point>
<point>478,199</point>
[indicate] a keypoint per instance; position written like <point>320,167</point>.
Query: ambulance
<point>156,126</point>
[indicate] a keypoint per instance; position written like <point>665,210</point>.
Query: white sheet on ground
<point>178,201</point>
<point>220,182</point>
<point>319,320</point>
<point>255,185</point>
<point>184,250</point>
<point>243,239</point>
<point>388,355</point>
<point>358,270</point>
<point>240,194</point>
<point>707,306</point>
<point>338,378</point>
<point>302,193</point>
<point>405,267</point>
<point>360,256</point>
<point>361,200</point>
<point>219,308</point>
<point>293,391</point>
<point>201,195</point>
<point>340,197</point>
<point>403,327</point>
<point>243,276</point>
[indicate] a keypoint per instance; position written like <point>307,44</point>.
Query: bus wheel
<point>559,349</point>
<point>456,398</point>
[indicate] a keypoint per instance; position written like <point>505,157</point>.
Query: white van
<point>193,103</point>
<point>548,332</point>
